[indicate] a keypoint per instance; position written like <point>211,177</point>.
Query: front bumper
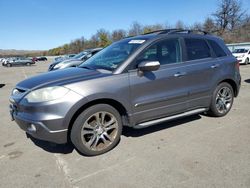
<point>39,130</point>
<point>45,121</point>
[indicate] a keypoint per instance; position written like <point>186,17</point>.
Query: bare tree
<point>150,28</point>
<point>209,25</point>
<point>229,15</point>
<point>197,26</point>
<point>179,25</point>
<point>118,34</point>
<point>135,29</point>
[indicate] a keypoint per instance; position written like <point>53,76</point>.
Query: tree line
<point>230,21</point>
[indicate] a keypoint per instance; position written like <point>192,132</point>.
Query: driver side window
<point>166,52</point>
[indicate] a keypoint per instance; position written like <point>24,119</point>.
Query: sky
<point>46,24</point>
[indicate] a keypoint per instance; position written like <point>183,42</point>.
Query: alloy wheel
<point>99,131</point>
<point>224,100</point>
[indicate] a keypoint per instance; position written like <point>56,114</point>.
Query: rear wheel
<point>222,100</point>
<point>96,130</point>
<point>8,65</point>
<point>28,64</point>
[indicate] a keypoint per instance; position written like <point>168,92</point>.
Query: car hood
<point>60,77</point>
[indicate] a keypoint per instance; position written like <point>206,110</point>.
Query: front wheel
<point>222,100</point>
<point>96,130</point>
<point>246,61</point>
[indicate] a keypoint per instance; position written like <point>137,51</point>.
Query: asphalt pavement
<point>196,151</point>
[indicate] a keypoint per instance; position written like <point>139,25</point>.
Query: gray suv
<point>136,82</point>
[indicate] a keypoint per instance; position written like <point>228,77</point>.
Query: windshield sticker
<point>136,41</point>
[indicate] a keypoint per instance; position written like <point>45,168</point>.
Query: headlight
<point>46,94</point>
<point>241,56</point>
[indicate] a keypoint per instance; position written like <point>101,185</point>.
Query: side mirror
<point>149,66</point>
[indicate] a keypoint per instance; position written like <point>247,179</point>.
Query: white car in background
<point>242,55</point>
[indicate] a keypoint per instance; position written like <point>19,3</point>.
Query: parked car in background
<point>64,57</point>
<point>242,55</point>
<point>34,59</point>
<point>42,58</point>
<point>137,82</point>
<point>75,61</point>
<point>18,61</point>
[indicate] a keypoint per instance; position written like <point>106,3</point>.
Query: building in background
<point>233,46</point>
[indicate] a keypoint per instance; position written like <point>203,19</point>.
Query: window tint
<point>197,49</point>
<point>219,52</point>
<point>166,52</point>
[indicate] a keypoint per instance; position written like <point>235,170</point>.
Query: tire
<point>8,65</point>
<point>222,100</point>
<point>96,130</point>
<point>28,64</point>
<point>246,61</point>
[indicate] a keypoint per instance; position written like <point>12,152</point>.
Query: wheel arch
<point>114,103</point>
<point>233,84</point>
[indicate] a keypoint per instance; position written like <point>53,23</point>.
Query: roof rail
<point>161,31</point>
<point>173,31</point>
<point>189,31</point>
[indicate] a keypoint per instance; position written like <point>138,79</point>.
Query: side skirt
<point>157,121</point>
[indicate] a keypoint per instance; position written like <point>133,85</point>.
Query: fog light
<point>32,128</point>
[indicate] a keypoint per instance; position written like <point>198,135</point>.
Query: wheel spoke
<point>224,92</point>
<point>88,126</point>
<point>96,142</point>
<point>91,141</point>
<point>102,118</point>
<point>112,121</point>
<point>97,118</point>
<point>107,136</point>
<point>88,132</point>
<point>218,105</point>
<point>105,141</point>
<point>224,107</point>
<point>228,100</point>
<point>113,126</point>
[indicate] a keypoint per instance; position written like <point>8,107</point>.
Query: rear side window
<point>219,52</point>
<point>197,49</point>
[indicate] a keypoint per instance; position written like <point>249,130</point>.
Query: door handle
<point>215,66</point>
<point>179,74</point>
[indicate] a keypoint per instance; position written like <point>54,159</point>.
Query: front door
<point>163,92</point>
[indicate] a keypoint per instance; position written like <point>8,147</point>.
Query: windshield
<point>240,51</point>
<point>112,56</point>
<point>78,56</point>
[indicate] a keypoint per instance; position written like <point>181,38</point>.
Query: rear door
<point>201,67</point>
<point>163,92</point>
